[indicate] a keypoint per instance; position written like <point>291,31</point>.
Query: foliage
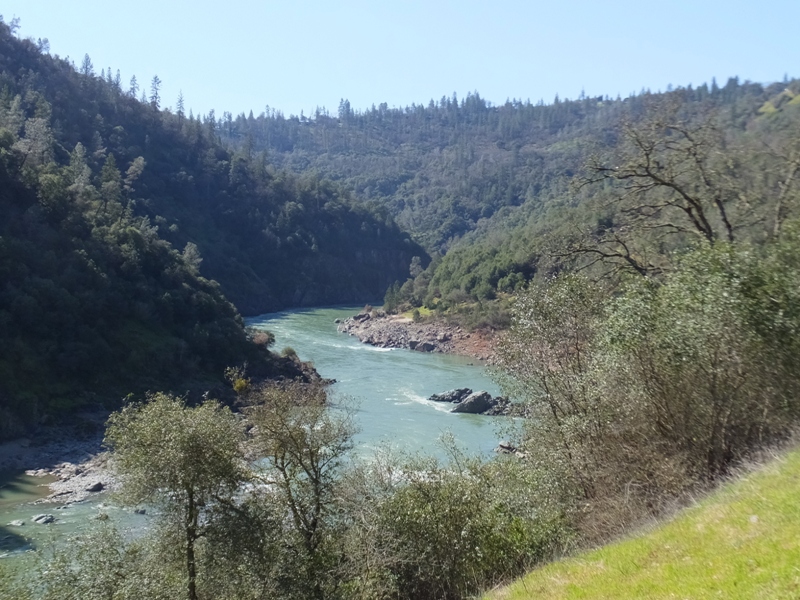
<point>429,530</point>
<point>271,239</point>
<point>305,520</point>
<point>116,214</point>
<point>638,398</point>
<point>489,187</point>
<point>184,461</point>
<point>304,443</point>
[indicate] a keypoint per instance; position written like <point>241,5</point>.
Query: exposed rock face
<point>475,403</point>
<point>391,331</point>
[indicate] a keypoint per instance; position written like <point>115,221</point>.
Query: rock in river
<point>43,519</point>
<point>453,396</point>
<point>475,404</point>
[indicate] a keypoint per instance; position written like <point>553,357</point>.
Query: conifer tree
<point>155,87</point>
<point>134,87</point>
<point>86,66</point>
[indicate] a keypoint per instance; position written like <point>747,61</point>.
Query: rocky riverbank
<point>393,331</point>
<point>72,462</point>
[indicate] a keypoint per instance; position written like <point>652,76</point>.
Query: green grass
<point>743,541</point>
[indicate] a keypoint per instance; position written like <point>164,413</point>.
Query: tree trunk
<point>191,536</point>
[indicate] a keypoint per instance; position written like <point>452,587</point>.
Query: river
<point>388,387</point>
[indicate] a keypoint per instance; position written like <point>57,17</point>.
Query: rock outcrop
<point>474,403</point>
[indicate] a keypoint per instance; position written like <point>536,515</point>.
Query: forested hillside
<point>504,191</point>
<point>118,218</point>
<point>645,253</point>
<point>271,239</point>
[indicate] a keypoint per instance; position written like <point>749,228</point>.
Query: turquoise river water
<point>389,388</point>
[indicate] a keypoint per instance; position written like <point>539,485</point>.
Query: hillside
<point>131,240</point>
<point>494,188</point>
<point>271,239</point>
<point>740,542</point>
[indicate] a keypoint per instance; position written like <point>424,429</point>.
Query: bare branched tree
<point>675,177</point>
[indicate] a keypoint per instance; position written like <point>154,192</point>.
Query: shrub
<point>636,399</point>
<point>425,530</point>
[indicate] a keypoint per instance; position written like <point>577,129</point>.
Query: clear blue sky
<point>296,55</point>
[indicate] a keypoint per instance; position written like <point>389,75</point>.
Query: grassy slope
<point>741,542</point>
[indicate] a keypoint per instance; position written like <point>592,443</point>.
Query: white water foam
<point>417,399</point>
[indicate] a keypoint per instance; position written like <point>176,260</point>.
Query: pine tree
<point>134,87</point>
<point>180,106</point>
<point>155,86</point>
<point>87,68</point>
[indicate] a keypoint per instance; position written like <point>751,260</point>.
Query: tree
<point>134,87</point>
<point>155,87</point>
<point>545,360</point>
<point>179,106</point>
<point>679,172</point>
<point>87,68</point>
<point>37,145</point>
<point>674,176</point>
<point>192,258</point>
<point>415,269</point>
<point>182,460</point>
<point>110,182</point>
<point>304,443</point>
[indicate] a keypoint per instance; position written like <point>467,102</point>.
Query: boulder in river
<point>421,346</point>
<point>502,407</point>
<point>475,404</point>
<point>454,396</point>
<point>43,519</point>
<point>17,524</point>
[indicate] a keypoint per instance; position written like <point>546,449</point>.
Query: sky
<point>297,55</point>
